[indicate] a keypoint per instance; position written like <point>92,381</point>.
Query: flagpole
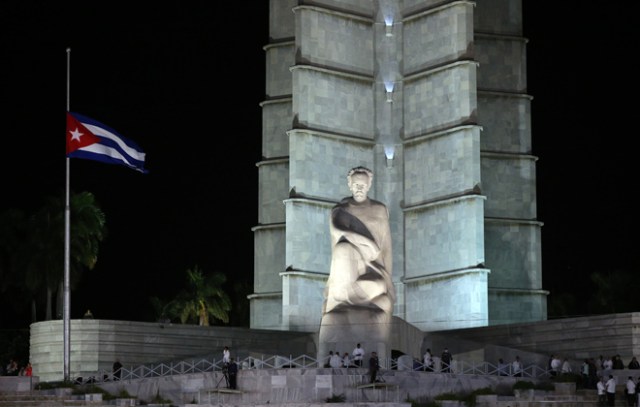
<point>67,236</point>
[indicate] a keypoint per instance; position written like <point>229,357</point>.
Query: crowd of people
<point>346,359</point>
<point>355,359</point>
<point>13,368</point>
<point>606,387</point>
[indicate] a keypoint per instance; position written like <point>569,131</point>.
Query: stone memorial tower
<point>432,96</point>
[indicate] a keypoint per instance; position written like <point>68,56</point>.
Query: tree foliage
<point>32,258</point>
<point>203,299</point>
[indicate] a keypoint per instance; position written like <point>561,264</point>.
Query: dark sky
<point>185,82</point>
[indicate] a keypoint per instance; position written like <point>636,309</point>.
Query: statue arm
<point>346,227</point>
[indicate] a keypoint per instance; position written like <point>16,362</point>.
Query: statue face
<point>359,184</point>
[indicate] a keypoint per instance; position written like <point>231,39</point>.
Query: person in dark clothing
<point>374,366</point>
<point>232,371</point>
<point>117,370</point>
<point>446,358</point>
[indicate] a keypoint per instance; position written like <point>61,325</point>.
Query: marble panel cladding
<point>439,99</point>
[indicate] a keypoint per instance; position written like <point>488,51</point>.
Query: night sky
<point>185,82</point>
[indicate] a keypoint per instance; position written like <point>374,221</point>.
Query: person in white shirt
<point>610,386</point>
<point>346,361</point>
<point>607,365</point>
<point>226,355</point>
<point>336,360</point>
<point>602,392</point>
<point>358,355</point>
<point>566,366</point>
<point>555,365</point>
<point>631,392</point>
<point>516,367</point>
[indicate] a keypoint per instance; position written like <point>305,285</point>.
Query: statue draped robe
<point>359,294</point>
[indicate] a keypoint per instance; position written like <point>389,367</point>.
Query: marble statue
<point>359,294</point>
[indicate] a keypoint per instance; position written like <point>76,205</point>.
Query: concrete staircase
<point>398,391</point>
<point>39,399</point>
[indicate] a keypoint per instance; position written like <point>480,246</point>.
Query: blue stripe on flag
<point>113,148</point>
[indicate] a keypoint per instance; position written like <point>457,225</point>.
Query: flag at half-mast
<point>92,140</point>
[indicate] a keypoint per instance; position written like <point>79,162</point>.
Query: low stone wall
<point>285,386</point>
<point>13,384</point>
<point>95,344</point>
<point>573,338</point>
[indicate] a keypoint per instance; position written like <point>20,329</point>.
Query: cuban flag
<point>92,140</point>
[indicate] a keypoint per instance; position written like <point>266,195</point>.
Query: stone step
<point>36,399</point>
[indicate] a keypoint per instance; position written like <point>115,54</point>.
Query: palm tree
<point>203,298</point>
<point>44,267</point>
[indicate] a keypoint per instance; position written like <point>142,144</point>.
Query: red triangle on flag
<point>78,135</point>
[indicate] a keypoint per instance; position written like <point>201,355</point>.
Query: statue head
<point>359,180</point>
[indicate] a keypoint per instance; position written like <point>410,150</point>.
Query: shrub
<point>55,385</point>
<point>423,402</point>
<point>483,391</point>
<point>336,398</point>
<point>447,396</point>
<point>124,394</point>
<point>158,399</point>
<point>527,385</point>
<point>548,386</point>
<point>523,385</point>
<point>568,378</point>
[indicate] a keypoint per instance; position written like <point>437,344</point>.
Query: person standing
<point>28,370</point>
<point>428,360</point>
<point>12,368</point>
<point>446,359</point>
<point>602,392</point>
<point>117,370</point>
<point>358,355</point>
<point>374,366</point>
<point>503,368</point>
<point>336,360</point>
<point>346,361</point>
<point>328,361</point>
<point>226,355</point>
<point>516,367</point>
<point>631,392</point>
<point>584,372</point>
<point>607,365</point>
<point>600,362</point>
<point>232,371</point>
<point>554,365</point>
<point>610,386</point>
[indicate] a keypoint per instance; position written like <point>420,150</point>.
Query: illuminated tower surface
<point>432,96</point>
